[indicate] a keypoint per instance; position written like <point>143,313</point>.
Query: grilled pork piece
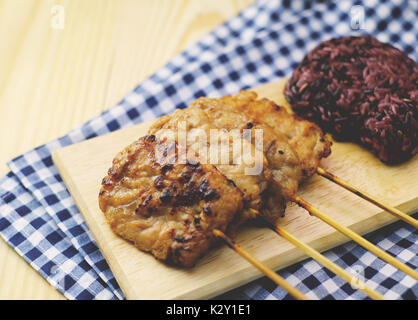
<point>164,207</point>
<point>282,160</point>
<point>253,186</point>
<point>305,137</point>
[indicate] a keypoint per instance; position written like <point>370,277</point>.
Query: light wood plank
<point>83,166</point>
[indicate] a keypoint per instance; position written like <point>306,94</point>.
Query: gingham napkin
<point>264,42</point>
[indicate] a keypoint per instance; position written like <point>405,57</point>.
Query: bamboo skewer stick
<point>357,238</point>
<point>368,197</point>
<point>321,258</point>
<point>260,266</point>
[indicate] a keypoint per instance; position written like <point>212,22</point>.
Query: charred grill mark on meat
<point>149,204</point>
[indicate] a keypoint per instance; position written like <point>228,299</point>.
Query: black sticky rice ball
<point>360,89</point>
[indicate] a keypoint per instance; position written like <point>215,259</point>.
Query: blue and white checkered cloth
<point>40,220</point>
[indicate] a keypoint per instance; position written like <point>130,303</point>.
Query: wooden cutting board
<point>140,276</point>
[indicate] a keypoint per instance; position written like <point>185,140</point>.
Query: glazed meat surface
<point>292,146</point>
<point>305,137</point>
<point>282,159</point>
<point>254,186</point>
<point>164,207</point>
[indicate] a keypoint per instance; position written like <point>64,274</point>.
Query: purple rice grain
<point>362,90</point>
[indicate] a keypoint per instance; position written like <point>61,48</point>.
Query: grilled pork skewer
<point>164,207</point>
<point>296,128</point>
<point>306,138</point>
<point>175,211</point>
<point>153,210</point>
<point>255,187</point>
<point>244,111</point>
<point>125,179</point>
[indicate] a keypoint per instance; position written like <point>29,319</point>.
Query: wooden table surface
<point>54,79</point>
